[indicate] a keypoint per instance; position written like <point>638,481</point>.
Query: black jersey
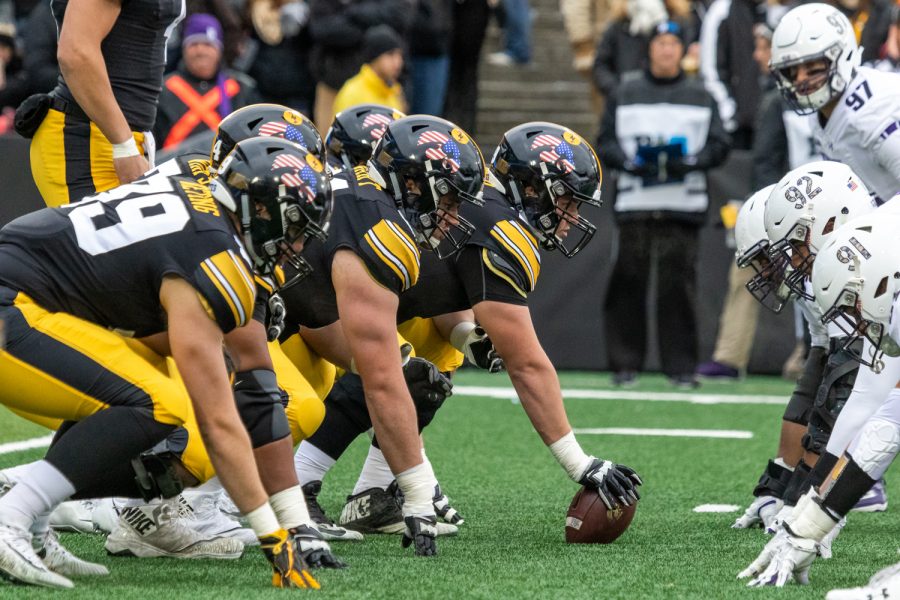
<point>134,52</point>
<point>104,258</point>
<point>192,164</point>
<point>500,262</point>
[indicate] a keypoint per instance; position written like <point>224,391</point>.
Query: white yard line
<point>38,442</point>
<point>509,393</point>
<point>728,434</point>
<point>717,508</point>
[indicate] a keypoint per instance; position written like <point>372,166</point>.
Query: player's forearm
<point>537,386</point>
<point>329,343</point>
<point>85,74</point>
<point>445,323</point>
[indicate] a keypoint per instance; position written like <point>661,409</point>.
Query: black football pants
<point>672,247</point>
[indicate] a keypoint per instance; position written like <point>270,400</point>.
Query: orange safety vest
<point>200,108</point>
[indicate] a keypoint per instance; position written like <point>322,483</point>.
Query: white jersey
<point>863,132</point>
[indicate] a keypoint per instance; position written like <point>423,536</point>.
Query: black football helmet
<point>272,120</point>
<point>281,195</point>
<point>356,130</point>
<point>541,163</point>
<point>430,165</point>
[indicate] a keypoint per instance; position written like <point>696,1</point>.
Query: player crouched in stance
<point>856,281</point>
<point>78,283</point>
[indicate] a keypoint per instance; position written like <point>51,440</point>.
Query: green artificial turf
<point>514,498</point>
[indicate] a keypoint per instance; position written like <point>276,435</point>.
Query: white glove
<point>793,558</point>
<point>765,557</point>
<point>776,524</point>
<point>828,540</point>
<point>760,513</point>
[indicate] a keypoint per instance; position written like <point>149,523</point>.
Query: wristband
<point>125,149</point>
<point>263,520</point>
<point>459,336</point>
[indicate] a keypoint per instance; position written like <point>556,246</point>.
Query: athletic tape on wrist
<point>570,456</point>
<point>811,521</point>
<point>459,336</point>
<point>417,485</point>
<point>263,521</point>
<point>125,149</point>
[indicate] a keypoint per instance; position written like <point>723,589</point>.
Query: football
<point>589,522</point>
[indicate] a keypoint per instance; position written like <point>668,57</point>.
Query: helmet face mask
<point>846,315</point>
<point>548,173</point>
<point>281,197</point>
<point>795,258</point>
<point>767,285</point>
<point>430,166</point>
<point>820,37</point>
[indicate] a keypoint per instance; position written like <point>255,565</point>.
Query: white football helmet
<point>856,279</point>
<point>807,33</point>
<point>752,250</point>
<point>804,208</point>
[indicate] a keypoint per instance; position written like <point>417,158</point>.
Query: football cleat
<point>380,511</point>
<point>166,529</point>
<point>875,500</point>
<point>76,516</point>
<point>326,526</point>
<point>20,564</point>
<point>207,517</point>
<point>59,560</point>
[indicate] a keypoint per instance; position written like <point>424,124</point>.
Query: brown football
<point>589,522</point>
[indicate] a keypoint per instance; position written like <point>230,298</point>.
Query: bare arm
<point>446,323</point>
<point>368,315</point>
<point>196,343</point>
<point>330,343</point>
<point>530,370</point>
<point>86,24</point>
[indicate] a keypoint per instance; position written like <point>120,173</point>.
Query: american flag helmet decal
<point>441,148</point>
<point>300,175</point>
<point>555,152</point>
<point>375,124</point>
<point>282,129</point>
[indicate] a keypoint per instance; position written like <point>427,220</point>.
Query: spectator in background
<point>376,82</point>
<point>200,92</point>
<point>516,35</point>
<point>470,19</point>
<point>727,66</point>
<point>228,13</point>
<point>585,21</point>
<point>890,49</point>
<point>661,203</point>
<point>429,49</point>
<point>280,66</point>
<point>623,47</point>
<point>13,82</point>
<point>39,50</point>
<point>337,28</point>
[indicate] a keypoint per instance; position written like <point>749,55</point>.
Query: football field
<point>691,448</point>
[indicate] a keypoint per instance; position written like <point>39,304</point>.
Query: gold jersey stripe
<point>519,247</point>
<point>388,259</point>
<point>487,261</point>
<point>237,281</point>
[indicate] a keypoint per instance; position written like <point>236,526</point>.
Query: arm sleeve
<point>608,148</point>
<point>718,142</point>
<point>769,144</point>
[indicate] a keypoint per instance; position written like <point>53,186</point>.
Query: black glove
<point>480,351</point>
<point>421,531</point>
<point>275,317</point>
<point>313,549</point>
<point>616,484</point>
<point>677,168</point>
<point>427,385</point>
<point>641,169</point>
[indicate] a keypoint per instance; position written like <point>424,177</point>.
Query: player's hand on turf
<point>765,557</point>
<point>442,507</point>
<point>427,385</point>
<point>275,317</point>
<point>314,550</point>
<point>480,351</point>
<point>776,523</point>
<point>422,532</point>
<point>791,561</point>
<point>615,484</point>
<point>288,568</point>
<point>760,513</point>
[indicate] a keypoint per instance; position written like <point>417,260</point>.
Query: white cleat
<point>208,517</point>
<point>20,564</point>
<point>59,560</point>
<point>76,516</point>
<point>886,590</point>
<point>165,529</point>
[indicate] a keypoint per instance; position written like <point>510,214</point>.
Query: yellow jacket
<point>366,87</point>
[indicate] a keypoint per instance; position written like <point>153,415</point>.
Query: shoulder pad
<point>520,250</point>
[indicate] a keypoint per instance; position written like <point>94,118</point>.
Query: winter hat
<point>668,28</point>
<point>202,28</point>
<point>378,40</point>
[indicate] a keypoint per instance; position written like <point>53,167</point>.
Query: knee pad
<point>875,446</point>
<point>837,384</point>
<point>259,402</point>
<point>804,395</point>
